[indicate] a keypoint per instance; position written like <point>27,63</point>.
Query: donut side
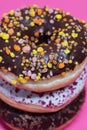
<point>47,121</point>
<point>56,82</point>
<point>51,101</point>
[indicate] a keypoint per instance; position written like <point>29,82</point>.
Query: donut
<point>41,49</point>
<point>20,120</point>
<point>41,102</point>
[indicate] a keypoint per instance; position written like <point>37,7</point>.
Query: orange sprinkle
<point>36,34</point>
<point>10,25</point>
<point>38,21</point>
<point>39,11</point>
<point>26,37</point>
<point>16,47</point>
<point>57,41</point>
<point>65,19</point>
<point>42,53</point>
<point>61,65</point>
<point>6,20</point>
<point>7,51</point>
<point>27,78</point>
<point>71,20</point>
<point>13,37</point>
<point>4,70</point>
<point>54,62</point>
<point>63,73</point>
<point>10,31</point>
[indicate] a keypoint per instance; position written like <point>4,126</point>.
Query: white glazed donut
<point>41,102</point>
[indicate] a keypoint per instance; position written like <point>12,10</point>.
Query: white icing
<point>48,99</point>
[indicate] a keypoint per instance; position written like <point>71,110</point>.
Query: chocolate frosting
<point>39,43</point>
<point>45,121</point>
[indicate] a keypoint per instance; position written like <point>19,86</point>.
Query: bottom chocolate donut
<point>20,120</point>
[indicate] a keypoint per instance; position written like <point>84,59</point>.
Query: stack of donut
<point>43,56</point>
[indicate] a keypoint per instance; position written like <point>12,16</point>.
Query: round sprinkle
<point>12,54</point>
<point>17,47</point>
<point>11,12</point>
<point>4,36</point>
<point>49,65</point>
<point>10,31</point>
<point>26,49</point>
<point>39,11</point>
<point>33,76</point>
<point>32,12</point>
<point>74,35</point>
<point>1,58</point>
<point>61,65</point>
<point>18,34</point>
<point>34,52</point>
<point>22,80</point>
<point>67,51</point>
<point>58,16</point>
<point>7,20</point>
<point>65,43</point>
<point>40,49</point>
<point>32,24</point>
<point>7,51</point>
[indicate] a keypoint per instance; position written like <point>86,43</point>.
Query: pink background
<point>77,8</point>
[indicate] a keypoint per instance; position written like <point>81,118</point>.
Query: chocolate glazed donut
<point>32,121</point>
<point>37,44</point>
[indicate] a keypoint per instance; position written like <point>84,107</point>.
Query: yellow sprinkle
<point>65,43</point>
<point>14,82</point>
<point>74,35</point>
<point>49,65</point>
<point>1,58</point>
<point>32,12</point>
<point>67,34</point>
<point>63,73</point>
<point>11,12</point>
<point>32,24</point>
<point>18,34</point>
<point>67,51</point>
<point>6,41</point>
<point>62,34</point>
<point>25,28</point>
<point>12,54</point>
<point>37,78</point>
<point>27,17</point>
<point>15,23</point>
<point>47,9</point>
<point>58,16</point>
<point>76,63</point>
<point>70,61</point>
<point>40,49</point>
<point>1,51</point>
<point>39,74</point>
<point>4,36</point>
<point>34,52</point>
<point>22,64</point>
<point>22,80</point>
<point>45,66</point>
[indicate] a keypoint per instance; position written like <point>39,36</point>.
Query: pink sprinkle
<point>29,73</point>
<point>34,59</point>
<point>51,21</point>
<point>33,76</point>
<point>51,11</point>
<point>20,41</point>
<point>17,14</point>
<point>26,49</point>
